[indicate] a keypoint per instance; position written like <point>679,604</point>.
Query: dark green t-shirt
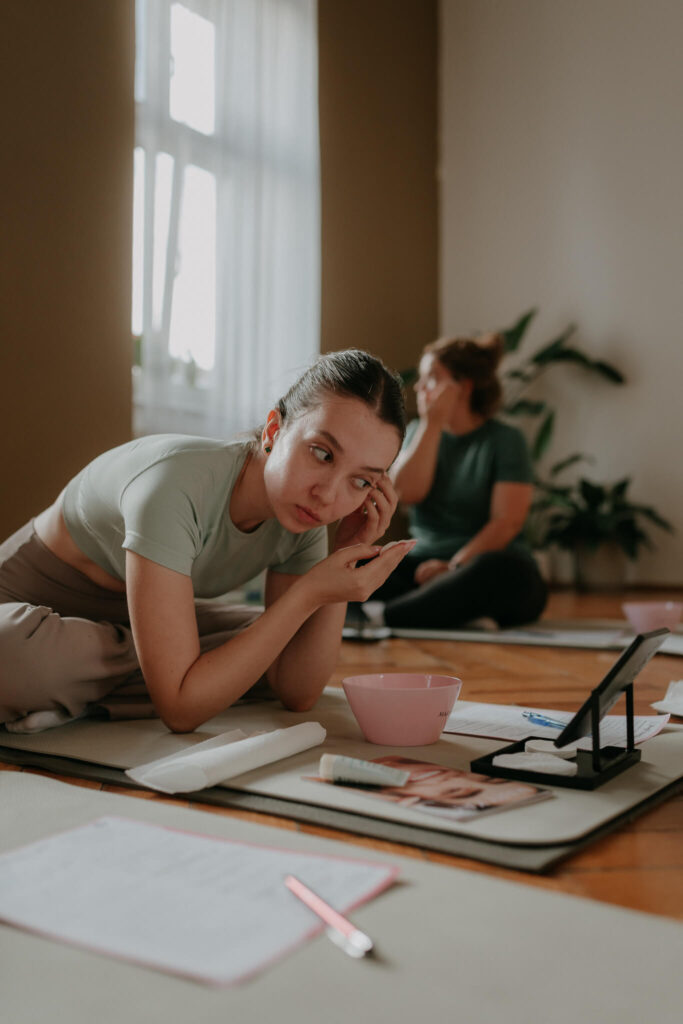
<point>459,502</point>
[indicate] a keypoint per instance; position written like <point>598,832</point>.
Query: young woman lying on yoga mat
<point>104,588</point>
<point>467,478</point>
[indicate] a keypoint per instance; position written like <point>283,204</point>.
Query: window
<point>226,210</point>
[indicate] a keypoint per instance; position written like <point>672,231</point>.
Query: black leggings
<point>502,585</point>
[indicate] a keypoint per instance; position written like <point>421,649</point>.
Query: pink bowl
<point>647,615</point>
<point>399,709</point>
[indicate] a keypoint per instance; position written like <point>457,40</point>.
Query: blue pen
<point>536,718</point>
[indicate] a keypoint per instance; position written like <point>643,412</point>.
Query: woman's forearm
<point>510,503</point>
<point>221,676</point>
<point>308,660</point>
<point>495,536</point>
<point>414,469</point>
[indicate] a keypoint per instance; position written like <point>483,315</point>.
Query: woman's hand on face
<point>429,570</point>
<point>371,520</point>
<point>436,404</point>
<point>339,578</point>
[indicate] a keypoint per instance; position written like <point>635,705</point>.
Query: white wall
<point>562,187</point>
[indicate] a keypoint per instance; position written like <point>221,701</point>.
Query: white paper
<point>505,722</point>
<point>189,904</point>
<point>672,644</point>
<point>225,756</point>
<point>673,699</point>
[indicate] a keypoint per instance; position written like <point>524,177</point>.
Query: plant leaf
<point>566,355</point>
<point>654,517</point>
<point>569,461</point>
<point>518,375</point>
<point>549,352</point>
<point>525,407</point>
<point>592,494</point>
<point>543,436</point>
<point>512,336</point>
<point>408,376</point>
<point>560,353</point>
<point>619,489</point>
<point>608,371</point>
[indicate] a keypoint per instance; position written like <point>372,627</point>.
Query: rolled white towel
<point>225,756</point>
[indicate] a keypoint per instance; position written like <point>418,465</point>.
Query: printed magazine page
<point>449,792</point>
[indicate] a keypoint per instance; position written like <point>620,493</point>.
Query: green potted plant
<point>518,379</point>
<point>593,522</point>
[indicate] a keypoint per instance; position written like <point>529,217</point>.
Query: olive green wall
<point>66,81</point>
<point>378,137</point>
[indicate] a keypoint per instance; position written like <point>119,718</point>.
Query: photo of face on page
<point>452,793</point>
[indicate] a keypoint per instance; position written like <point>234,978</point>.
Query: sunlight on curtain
<point>226,239</point>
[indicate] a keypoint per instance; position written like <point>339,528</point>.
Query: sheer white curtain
<point>226,260</point>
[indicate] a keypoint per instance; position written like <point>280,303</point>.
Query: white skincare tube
<point>336,768</point>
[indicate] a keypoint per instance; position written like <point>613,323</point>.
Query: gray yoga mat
<point>590,635</point>
<point>531,858</point>
<point>451,944</point>
<point>530,838</point>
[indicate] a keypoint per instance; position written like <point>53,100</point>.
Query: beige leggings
<point>66,643</point>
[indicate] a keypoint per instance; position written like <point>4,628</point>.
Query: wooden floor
<point>641,865</point>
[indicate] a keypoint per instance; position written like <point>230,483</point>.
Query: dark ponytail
<point>350,373</point>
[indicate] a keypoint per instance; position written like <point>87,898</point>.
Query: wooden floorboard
<point>641,865</point>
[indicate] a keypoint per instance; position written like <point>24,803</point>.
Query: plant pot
<point>544,563</point>
<point>602,568</point>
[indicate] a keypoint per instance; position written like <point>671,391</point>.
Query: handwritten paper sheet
<point>505,722</point>
<point>210,909</point>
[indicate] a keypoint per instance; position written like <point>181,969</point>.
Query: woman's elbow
<point>177,718</point>
<point>178,722</point>
<point>510,528</point>
<point>300,702</point>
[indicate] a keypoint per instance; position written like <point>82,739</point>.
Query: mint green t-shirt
<point>458,504</point>
<point>167,497</point>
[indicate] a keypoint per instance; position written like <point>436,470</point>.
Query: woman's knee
<point>506,586</point>
<point>524,595</point>
<point>495,563</point>
<point>21,671</point>
<point>19,623</point>
<point>48,662</point>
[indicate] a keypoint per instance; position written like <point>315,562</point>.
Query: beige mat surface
<point>570,815</point>
<point>452,945</point>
